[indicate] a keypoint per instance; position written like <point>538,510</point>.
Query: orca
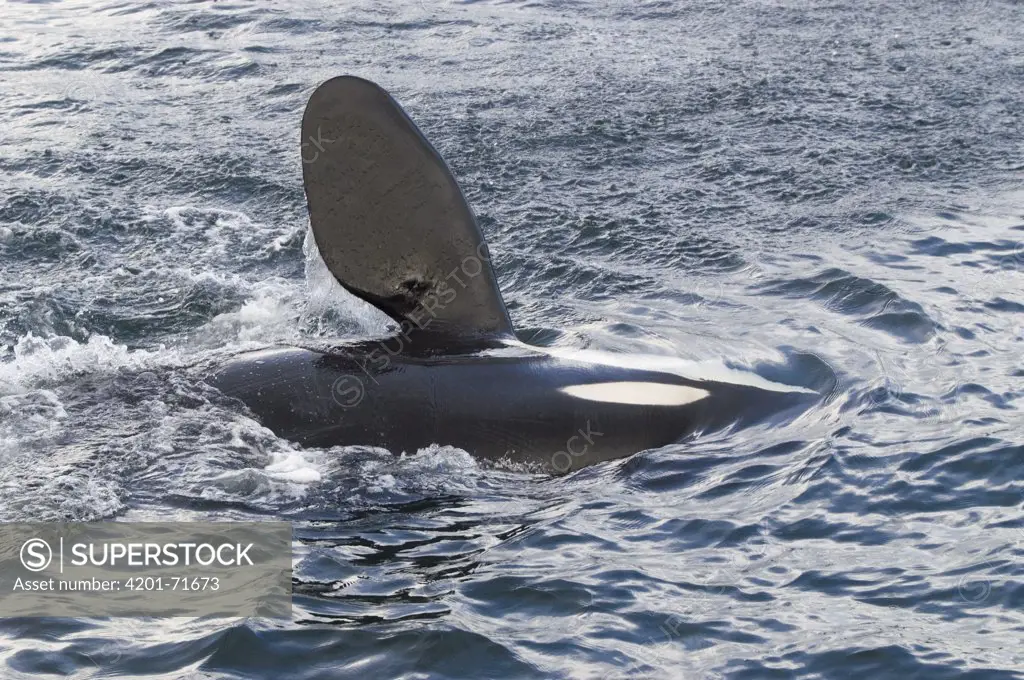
<point>393,227</point>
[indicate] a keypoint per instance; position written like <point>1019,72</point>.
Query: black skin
<point>394,228</point>
<point>494,407</point>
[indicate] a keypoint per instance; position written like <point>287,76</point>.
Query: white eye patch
<point>637,393</point>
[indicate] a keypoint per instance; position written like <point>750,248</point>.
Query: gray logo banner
<point>146,569</point>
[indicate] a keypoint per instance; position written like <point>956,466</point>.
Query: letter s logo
<point>36,554</point>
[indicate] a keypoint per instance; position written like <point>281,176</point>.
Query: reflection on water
<point>825,195</point>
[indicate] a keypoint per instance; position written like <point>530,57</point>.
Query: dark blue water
<point>828,193</point>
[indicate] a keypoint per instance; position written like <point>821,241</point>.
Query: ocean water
<point>825,193</point>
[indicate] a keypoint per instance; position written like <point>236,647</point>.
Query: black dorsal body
<point>394,228</point>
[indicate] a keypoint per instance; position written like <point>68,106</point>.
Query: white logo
<point>36,554</point>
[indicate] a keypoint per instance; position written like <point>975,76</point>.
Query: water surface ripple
<point>826,193</point>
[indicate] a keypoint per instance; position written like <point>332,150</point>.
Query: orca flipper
<point>390,220</point>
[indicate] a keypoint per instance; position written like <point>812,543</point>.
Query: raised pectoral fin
<point>390,220</point>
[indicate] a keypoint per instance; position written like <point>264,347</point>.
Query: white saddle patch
<point>638,393</point>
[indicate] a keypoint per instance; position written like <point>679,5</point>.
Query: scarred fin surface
<point>391,222</point>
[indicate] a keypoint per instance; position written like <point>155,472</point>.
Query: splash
<point>36,360</point>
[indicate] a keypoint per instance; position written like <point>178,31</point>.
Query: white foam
<point>230,457</point>
<point>37,359</point>
<point>215,229</point>
<point>294,468</point>
<point>32,416</point>
<point>266,318</point>
<point>435,468</point>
